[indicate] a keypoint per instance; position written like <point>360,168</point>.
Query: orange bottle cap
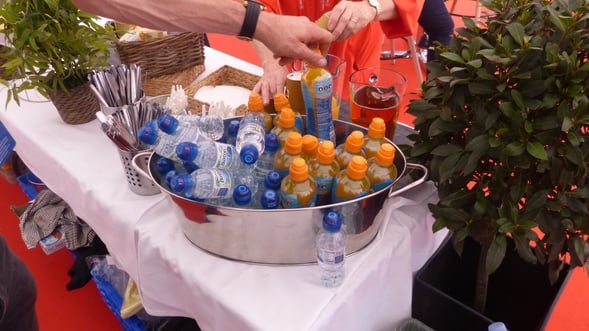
<point>255,102</point>
<point>310,144</point>
<point>298,169</point>
<point>355,141</point>
<point>377,128</point>
<point>357,167</point>
<point>293,143</point>
<point>385,155</point>
<point>286,119</point>
<point>325,152</point>
<point>280,102</point>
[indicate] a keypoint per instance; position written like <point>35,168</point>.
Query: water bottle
<point>265,162</point>
<point>293,146</point>
<point>242,196</point>
<point>256,104</point>
<point>381,171</point>
<point>298,189</point>
<point>163,144</point>
<point>186,125</point>
<point>271,181</point>
<point>210,154</point>
<point>286,124</point>
<point>270,199</point>
<point>165,165</point>
<point>211,125</point>
<point>189,166</point>
<point>351,182</point>
<point>375,137</point>
<point>209,184</point>
<point>310,146</point>
<point>331,250</point>
<point>252,126</point>
<point>231,134</point>
<point>352,146</point>
<point>497,326</point>
<point>323,167</point>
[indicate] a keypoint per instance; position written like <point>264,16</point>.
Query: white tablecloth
<point>175,278</point>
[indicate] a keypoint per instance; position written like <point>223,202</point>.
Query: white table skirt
<point>175,278</point>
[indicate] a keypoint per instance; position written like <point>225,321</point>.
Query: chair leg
<point>415,58</point>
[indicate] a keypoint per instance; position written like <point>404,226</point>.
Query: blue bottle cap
<point>147,135</point>
<point>152,124</point>
<point>164,165</point>
<point>168,123</point>
<point>273,180</point>
<point>181,183</point>
<point>272,142</point>
<point>190,166</point>
<point>249,154</point>
<point>187,151</point>
<point>169,176</point>
<point>332,221</point>
<point>233,127</point>
<point>242,195</point>
<point>270,200</point>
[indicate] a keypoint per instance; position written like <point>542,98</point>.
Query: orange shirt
<point>362,50</point>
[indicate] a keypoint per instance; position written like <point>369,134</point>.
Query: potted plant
<point>503,126</point>
<point>52,48</point>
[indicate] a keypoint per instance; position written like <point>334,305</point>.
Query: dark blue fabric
<point>18,293</point>
<point>437,24</point>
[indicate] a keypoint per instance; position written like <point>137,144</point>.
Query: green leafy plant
<point>503,126</point>
<point>53,45</point>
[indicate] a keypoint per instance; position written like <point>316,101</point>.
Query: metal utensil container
<point>279,236</point>
<point>138,183</point>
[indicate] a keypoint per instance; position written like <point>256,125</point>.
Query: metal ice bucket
<point>280,236</point>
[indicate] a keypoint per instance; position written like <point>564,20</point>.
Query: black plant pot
<point>520,294</point>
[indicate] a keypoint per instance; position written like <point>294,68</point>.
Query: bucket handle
<point>413,184</point>
<point>138,168</point>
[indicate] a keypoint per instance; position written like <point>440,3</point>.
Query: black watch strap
<point>250,21</point>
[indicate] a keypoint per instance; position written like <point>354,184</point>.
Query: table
<point>176,278</point>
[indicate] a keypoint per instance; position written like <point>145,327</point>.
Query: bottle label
<point>317,99</point>
<point>221,183</point>
<point>225,156</point>
<point>379,186</point>
<point>329,256</point>
<point>324,185</point>
<point>289,200</point>
<point>335,198</point>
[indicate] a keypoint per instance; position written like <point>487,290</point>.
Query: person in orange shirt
<point>357,28</point>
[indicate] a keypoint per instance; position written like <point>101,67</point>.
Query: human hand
<point>293,37</point>
<point>348,17</point>
<point>272,81</point>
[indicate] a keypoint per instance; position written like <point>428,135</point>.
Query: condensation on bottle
<point>331,250</point>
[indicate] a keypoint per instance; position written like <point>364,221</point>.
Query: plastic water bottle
<point>331,250</point>
<point>298,189</point>
<point>497,326</point>
<point>323,167</point>
<point>352,146</point>
<point>375,137</point>
<point>252,126</point>
<point>351,182</point>
<point>265,162</point>
<point>270,199</point>
<point>272,182</point>
<point>165,165</point>
<point>211,125</point>
<point>381,171</point>
<point>242,196</point>
<point>210,154</point>
<point>231,134</point>
<point>163,144</point>
<point>293,147</point>
<point>205,184</point>
<point>187,125</point>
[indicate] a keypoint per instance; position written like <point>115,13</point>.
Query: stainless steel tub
<point>282,236</point>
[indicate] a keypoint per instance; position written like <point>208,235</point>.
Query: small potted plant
<point>503,126</point>
<point>52,48</point>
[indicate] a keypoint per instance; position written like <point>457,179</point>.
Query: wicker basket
<point>78,106</point>
<point>163,84</point>
<point>226,75</point>
<point>164,56</point>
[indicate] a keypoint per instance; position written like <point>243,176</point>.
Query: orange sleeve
<point>406,22</point>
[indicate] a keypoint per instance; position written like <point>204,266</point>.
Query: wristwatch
<point>252,12</point>
<point>376,5</point>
